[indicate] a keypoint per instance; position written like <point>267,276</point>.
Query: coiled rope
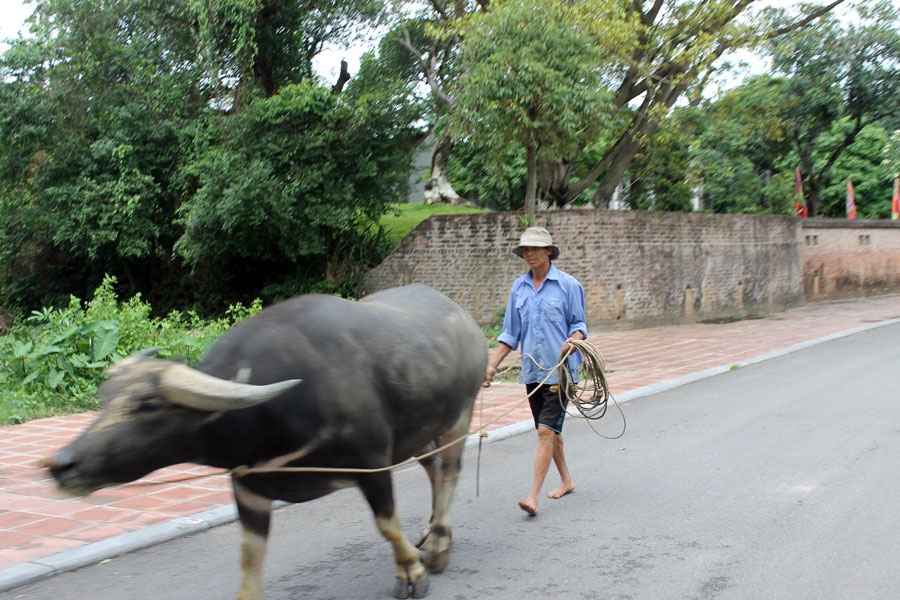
<point>592,397</point>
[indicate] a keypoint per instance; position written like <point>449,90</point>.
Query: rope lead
<point>591,408</point>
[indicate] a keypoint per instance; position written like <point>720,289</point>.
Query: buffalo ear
<point>131,360</point>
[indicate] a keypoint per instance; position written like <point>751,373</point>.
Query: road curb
<point>76,558</point>
<point>127,542</point>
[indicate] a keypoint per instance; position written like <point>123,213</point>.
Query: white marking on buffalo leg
<point>255,512</point>
<point>409,566</point>
<point>253,553</point>
<point>444,475</point>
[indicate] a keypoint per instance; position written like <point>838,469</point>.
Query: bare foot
<point>529,508</point>
<point>562,490</point>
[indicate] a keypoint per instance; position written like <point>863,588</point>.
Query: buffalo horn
<point>191,388</point>
<point>130,360</point>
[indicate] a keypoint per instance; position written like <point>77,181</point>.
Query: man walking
<point>544,313</point>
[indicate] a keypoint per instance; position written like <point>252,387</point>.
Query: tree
<point>287,192</point>
<point>90,135</point>
<point>891,155</point>
<point>533,82</point>
<point>678,47</point>
<point>659,174</point>
<point>431,49</point>
<point>255,47</point>
<point>843,77</point>
<point>862,163</point>
<point>111,109</point>
<point>739,149</point>
<point>678,44</point>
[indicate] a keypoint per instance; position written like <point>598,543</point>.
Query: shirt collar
<point>553,274</point>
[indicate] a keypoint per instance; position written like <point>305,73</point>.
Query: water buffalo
<point>313,381</point>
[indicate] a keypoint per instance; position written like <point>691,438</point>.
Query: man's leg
<point>566,484</point>
<point>545,453</point>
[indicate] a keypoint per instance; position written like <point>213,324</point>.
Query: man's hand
<point>567,345</point>
<point>489,376</point>
<point>494,362</point>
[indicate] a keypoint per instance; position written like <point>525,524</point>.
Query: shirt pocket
<point>553,310</point>
<point>522,309</point>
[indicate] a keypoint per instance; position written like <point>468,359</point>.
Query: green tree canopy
<point>843,75</point>
<point>534,80</point>
<point>122,122</point>
<point>652,54</point>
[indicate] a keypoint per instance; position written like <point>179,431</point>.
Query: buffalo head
<point>153,412</point>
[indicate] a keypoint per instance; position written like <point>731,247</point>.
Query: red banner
<point>799,204</point>
<point>851,200</point>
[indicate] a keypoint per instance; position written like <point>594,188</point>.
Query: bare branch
<point>429,65</point>
<point>649,17</point>
<point>343,78</point>
<point>802,22</point>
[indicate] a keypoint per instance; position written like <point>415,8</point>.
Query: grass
<point>403,218</point>
<point>508,374</point>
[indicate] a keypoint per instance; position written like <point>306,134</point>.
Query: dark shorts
<point>545,406</point>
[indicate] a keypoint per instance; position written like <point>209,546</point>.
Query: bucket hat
<point>536,237</point>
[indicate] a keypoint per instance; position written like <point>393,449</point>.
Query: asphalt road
<point>778,480</point>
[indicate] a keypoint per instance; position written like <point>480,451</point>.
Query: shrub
<point>53,362</point>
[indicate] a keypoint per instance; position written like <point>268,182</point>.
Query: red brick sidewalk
<point>36,521</point>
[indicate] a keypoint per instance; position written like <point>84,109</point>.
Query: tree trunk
<point>531,182</point>
<point>343,78</point>
<point>814,195</point>
<point>617,167</point>
<point>554,186</point>
<point>438,189</point>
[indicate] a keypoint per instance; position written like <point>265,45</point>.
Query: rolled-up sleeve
<point>575,312</point>
<point>512,324</point>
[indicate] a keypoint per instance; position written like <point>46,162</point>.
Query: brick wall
<point>844,258</point>
<point>637,268</point>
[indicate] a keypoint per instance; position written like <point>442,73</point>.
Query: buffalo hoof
<point>411,589</point>
<point>438,561</point>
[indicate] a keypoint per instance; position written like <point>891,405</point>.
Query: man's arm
<point>576,317</point>
<point>494,361</point>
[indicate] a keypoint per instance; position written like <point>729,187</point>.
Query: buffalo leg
<point>443,472</point>
<point>255,513</point>
<point>412,578</point>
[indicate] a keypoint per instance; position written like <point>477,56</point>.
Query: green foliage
<point>497,183</point>
<point>660,173</point>
<point>494,328</point>
<point>842,78</point>
<point>291,187</point>
<point>861,162</point>
<point>822,114</point>
<point>533,80</point>
<point>739,144</point>
<point>54,361</point>
<point>90,125</point>
<point>122,122</point>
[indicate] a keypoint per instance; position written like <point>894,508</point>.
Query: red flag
<point>895,205</point>
<point>851,200</point>
<point>799,204</point>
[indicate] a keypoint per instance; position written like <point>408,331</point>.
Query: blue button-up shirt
<point>542,320</point>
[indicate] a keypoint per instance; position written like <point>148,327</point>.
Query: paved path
<point>42,532</point>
